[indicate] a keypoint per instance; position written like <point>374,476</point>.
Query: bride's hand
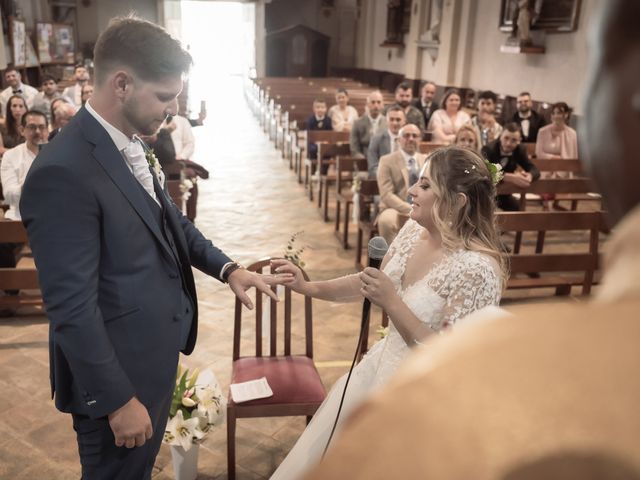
<point>288,274</point>
<point>377,287</point>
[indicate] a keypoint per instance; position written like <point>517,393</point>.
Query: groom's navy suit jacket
<point>114,273</point>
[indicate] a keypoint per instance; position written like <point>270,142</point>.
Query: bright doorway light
<point>220,37</point>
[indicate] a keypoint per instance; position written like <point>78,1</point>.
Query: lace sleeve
<point>474,283</point>
<point>404,240</point>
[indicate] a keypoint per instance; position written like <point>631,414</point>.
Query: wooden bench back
<point>428,147</point>
<point>550,185</point>
<point>572,165</point>
<point>13,231</point>
<point>286,307</point>
<point>586,263</point>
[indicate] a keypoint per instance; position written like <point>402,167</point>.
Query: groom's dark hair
<point>147,49</point>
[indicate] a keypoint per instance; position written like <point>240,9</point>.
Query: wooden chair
<point>345,169</point>
<point>561,266</point>
<point>316,136</point>
<point>367,227</point>
<point>294,379</point>
<point>327,153</point>
<point>24,277</point>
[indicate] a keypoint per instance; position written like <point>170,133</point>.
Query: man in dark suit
<point>529,120</point>
<point>426,103</point>
<point>510,154</point>
<point>114,256</point>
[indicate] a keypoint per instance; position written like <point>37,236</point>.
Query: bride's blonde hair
<point>466,224</point>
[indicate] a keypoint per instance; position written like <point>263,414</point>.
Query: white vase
<point>185,462</point>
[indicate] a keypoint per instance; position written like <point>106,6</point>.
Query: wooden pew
<point>558,270</point>
<point>573,167</point>
<point>24,276</point>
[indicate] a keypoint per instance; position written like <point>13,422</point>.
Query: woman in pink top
<point>557,140</point>
<point>446,122</point>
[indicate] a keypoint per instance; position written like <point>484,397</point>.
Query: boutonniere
<point>153,161</point>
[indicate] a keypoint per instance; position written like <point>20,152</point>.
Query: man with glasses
<point>17,161</point>
<point>396,173</point>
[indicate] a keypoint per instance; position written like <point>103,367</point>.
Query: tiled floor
<point>249,207</point>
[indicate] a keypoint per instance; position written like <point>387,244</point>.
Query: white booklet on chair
<point>251,390</point>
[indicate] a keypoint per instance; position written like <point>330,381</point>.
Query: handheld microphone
<point>377,250</point>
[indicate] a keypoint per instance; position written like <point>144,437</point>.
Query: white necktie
<point>134,153</point>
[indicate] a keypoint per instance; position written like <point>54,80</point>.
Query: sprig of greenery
<point>495,170</point>
<point>294,250</point>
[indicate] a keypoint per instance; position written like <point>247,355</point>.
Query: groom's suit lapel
<point>107,155</point>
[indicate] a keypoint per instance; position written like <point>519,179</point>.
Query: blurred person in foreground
<point>552,393</point>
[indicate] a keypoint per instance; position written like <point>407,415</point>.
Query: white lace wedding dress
<point>459,284</point>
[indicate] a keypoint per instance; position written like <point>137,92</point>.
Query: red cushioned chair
<point>294,379</point>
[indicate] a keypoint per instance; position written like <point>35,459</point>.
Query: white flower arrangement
<point>197,406</point>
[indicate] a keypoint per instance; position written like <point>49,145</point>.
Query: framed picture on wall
<point>18,35</point>
<point>44,32</point>
<point>549,15</point>
<point>64,48</point>
<point>32,58</point>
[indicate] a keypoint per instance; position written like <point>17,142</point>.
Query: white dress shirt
<point>183,140</point>
<point>121,142</point>
<point>27,91</point>
<point>15,165</point>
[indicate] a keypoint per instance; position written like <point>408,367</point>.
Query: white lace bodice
<point>461,283</point>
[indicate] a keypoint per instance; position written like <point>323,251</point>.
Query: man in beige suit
<point>396,173</point>
<point>553,393</point>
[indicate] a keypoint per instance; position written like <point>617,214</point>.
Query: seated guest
<point>11,131</point>
<point>485,122</point>
<point>42,101</point>
<point>426,103</point>
<point>87,91</point>
<point>403,97</point>
<point>61,112</point>
<point>17,161</point>
<point>13,78</point>
<point>317,121</point>
<point>529,120</point>
<point>510,154</point>
<point>398,172</point>
<point>367,125</point>
<point>386,141</point>
<point>342,114</point>
<point>446,121</point>
<point>468,137</point>
<point>74,92</point>
<point>557,140</point>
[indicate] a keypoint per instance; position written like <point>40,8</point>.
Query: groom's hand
<point>242,280</point>
<point>131,424</point>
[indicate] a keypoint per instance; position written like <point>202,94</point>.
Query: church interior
<point>286,138</point>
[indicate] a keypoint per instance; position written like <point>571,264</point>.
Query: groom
<point>114,256</point>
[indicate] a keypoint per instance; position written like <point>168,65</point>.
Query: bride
<point>445,263</point>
